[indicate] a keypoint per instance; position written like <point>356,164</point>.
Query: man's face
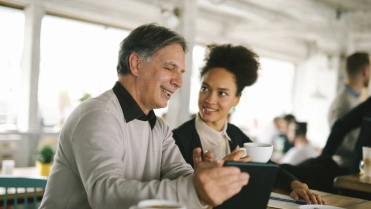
<point>159,78</point>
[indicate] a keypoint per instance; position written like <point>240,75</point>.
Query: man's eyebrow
<point>170,63</point>
<point>173,64</point>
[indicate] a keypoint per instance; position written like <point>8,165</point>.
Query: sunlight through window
<point>77,59</point>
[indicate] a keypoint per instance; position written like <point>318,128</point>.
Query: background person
<point>113,151</point>
<point>227,71</point>
<point>302,149</point>
<point>358,77</point>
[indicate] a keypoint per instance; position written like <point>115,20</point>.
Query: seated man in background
<point>319,173</point>
<point>113,151</point>
<point>302,150</point>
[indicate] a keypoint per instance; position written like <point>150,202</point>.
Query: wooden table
<point>353,182</point>
<point>339,200</point>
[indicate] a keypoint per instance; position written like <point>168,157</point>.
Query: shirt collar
<point>352,91</point>
<point>204,130</point>
<point>130,107</point>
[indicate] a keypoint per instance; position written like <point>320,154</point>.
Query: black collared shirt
<point>130,107</point>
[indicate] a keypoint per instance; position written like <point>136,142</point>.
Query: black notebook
<point>255,195</point>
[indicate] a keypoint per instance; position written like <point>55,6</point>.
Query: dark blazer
<point>187,139</point>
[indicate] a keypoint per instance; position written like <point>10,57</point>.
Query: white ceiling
<point>291,27</point>
<point>286,29</point>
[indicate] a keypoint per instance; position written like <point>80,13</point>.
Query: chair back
<point>28,189</point>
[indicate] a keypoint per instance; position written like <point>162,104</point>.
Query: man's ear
<point>366,71</point>
<point>134,63</point>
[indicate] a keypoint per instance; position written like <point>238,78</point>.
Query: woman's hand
<point>236,155</point>
<point>301,190</point>
<point>197,158</point>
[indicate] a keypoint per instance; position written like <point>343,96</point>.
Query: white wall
<point>314,90</point>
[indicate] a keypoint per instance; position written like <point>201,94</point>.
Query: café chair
<point>14,188</point>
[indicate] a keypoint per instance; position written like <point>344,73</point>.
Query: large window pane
<point>11,43</point>
<point>77,58</point>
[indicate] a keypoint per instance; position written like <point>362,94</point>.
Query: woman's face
<point>217,96</point>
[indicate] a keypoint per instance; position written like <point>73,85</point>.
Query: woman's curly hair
<point>239,60</point>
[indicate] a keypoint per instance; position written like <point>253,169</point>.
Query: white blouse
<point>212,140</point>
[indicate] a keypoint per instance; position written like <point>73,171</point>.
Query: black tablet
<point>255,195</point>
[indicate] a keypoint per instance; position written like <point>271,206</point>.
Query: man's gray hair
<point>146,40</point>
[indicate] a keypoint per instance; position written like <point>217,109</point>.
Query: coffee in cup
<point>258,152</point>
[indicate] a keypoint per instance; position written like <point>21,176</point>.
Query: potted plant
<point>45,155</point>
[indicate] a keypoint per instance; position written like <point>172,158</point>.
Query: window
<point>269,97</point>
<point>77,59</point>
<point>11,44</point>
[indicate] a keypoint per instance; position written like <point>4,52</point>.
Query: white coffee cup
<point>155,203</point>
<point>365,165</point>
<point>7,167</point>
<point>258,152</point>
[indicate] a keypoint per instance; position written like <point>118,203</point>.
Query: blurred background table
<point>352,182</point>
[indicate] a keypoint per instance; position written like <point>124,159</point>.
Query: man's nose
<point>177,81</point>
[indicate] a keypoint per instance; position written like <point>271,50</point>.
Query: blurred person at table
<point>228,70</point>
<point>319,173</point>
<point>302,149</point>
<point>114,151</point>
<point>285,139</point>
<point>358,77</point>
<point>289,120</point>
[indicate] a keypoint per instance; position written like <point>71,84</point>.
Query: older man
<point>114,151</point>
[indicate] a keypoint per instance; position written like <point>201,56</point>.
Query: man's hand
<point>236,155</point>
<point>301,190</point>
<point>214,183</point>
<point>197,158</point>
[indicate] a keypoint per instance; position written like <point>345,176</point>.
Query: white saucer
<point>318,207</point>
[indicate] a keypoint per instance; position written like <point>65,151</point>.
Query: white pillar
<point>179,104</point>
<point>28,109</point>
<point>346,48</point>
